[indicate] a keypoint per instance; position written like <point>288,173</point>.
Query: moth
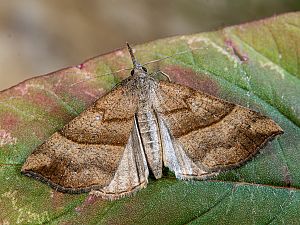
<point>141,126</point>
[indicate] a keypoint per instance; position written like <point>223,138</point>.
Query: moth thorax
<point>144,106</point>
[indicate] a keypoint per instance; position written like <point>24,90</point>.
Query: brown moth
<point>142,125</point>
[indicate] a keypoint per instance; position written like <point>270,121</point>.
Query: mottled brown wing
<point>203,135</point>
<point>88,151</point>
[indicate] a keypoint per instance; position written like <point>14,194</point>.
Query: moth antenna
<point>97,76</point>
<point>134,62</point>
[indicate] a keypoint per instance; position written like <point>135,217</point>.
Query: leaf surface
<point>255,65</point>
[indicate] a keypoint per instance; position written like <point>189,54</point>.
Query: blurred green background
<point>40,36</point>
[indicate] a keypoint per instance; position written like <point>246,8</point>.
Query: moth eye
<point>132,72</point>
<point>144,69</point>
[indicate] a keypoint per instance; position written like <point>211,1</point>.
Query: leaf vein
<point>217,203</point>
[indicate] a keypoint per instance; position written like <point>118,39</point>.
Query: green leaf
<point>255,65</point>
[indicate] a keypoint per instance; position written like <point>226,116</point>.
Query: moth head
<point>138,70</point>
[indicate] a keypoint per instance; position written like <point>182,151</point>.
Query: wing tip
<point>257,151</point>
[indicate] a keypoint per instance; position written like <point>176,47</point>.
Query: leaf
<point>255,65</point>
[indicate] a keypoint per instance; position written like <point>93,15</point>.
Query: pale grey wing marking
<point>173,155</point>
<point>132,172</point>
<point>175,158</point>
<point>139,153</point>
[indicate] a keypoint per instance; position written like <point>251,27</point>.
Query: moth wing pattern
<point>87,153</point>
<point>203,135</point>
<point>132,173</point>
<point>141,125</point>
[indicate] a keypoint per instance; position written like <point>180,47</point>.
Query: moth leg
<point>166,75</point>
<point>161,72</point>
